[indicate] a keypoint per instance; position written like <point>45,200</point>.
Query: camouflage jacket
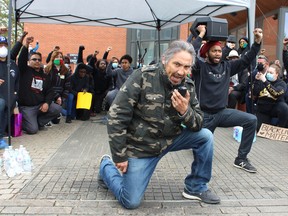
<point>142,121</point>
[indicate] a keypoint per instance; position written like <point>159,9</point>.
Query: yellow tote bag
<point>84,100</point>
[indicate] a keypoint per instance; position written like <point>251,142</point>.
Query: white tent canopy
<point>141,14</point>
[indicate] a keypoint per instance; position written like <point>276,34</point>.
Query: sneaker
<point>245,165</point>
<point>57,119</point>
<point>3,145</point>
<point>49,124</point>
<point>206,196</point>
<point>42,128</point>
<point>68,119</point>
<point>100,181</point>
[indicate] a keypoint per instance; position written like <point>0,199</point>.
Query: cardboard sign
<point>273,132</point>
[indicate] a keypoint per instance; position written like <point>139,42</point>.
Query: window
<point>141,40</point>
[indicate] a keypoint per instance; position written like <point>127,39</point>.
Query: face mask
<point>58,62</point>
<point>270,77</point>
<point>3,52</point>
<point>260,67</point>
<point>114,64</point>
<point>229,45</point>
<point>243,45</point>
<point>67,65</point>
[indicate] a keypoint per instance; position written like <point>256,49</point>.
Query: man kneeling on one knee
<point>149,118</point>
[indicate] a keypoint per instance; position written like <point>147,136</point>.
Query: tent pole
<point>251,24</point>
<point>251,69</point>
<point>158,27</point>
<point>8,71</point>
<point>16,21</point>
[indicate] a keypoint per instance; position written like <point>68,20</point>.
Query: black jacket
<point>79,84</point>
<point>268,93</point>
<point>14,82</point>
<point>35,87</point>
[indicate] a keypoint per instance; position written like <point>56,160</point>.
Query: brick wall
<point>70,37</point>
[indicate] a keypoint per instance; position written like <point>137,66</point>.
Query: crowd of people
<point>167,106</point>
<point>45,93</point>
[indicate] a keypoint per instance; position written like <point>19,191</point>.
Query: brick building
<point>70,37</point>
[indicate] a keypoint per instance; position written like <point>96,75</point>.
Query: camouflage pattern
<point>142,121</point>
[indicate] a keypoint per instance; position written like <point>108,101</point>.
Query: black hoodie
<point>78,84</point>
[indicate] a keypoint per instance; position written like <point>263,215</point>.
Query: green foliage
<point>4,19</point>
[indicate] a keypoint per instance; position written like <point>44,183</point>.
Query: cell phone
<point>182,90</point>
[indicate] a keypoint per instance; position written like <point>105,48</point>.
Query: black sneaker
<point>245,165</point>
<point>206,196</point>
<point>49,124</point>
<point>100,181</point>
<point>68,119</point>
<point>42,128</point>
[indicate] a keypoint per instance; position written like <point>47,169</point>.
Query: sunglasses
<point>36,59</point>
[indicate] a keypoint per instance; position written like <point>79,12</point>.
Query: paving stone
<point>65,177</point>
<point>13,210</point>
<point>49,210</point>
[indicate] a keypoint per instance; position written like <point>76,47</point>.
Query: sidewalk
<point>64,181</point>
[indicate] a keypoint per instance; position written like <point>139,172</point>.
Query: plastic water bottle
<point>19,160</point>
<point>237,134</point>
<point>27,163</point>
<point>9,162</point>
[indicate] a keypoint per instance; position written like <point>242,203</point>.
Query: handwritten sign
<point>273,132</point>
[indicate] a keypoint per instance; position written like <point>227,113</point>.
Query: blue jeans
<point>130,187</point>
<point>111,96</point>
<point>71,106</point>
<point>3,117</point>
<point>231,118</point>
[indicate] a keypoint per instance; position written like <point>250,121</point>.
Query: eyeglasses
<point>36,59</point>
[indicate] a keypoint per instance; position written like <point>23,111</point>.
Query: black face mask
<point>260,67</point>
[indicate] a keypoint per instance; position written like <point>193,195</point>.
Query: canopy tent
<point>141,14</point>
<point>137,14</point>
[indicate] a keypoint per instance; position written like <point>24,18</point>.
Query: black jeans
<point>278,110</point>
<point>230,118</point>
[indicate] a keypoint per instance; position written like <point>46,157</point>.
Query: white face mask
<point>114,65</point>
<point>3,52</point>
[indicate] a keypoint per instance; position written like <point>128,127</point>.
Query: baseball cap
<point>231,38</point>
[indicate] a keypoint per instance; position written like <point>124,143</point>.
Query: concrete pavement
<point>66,160</point>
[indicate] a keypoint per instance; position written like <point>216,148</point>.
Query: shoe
<point>3,144</point>
<point>57,119</point>
<point>92,114</point>
<point>68,119</point>
<point>245,165</point>
<point>49,124</point>
<point>42,128</point>
<point>100,181</point>
<point>206,196</point>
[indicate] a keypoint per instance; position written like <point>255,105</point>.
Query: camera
<point>182,90</point>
